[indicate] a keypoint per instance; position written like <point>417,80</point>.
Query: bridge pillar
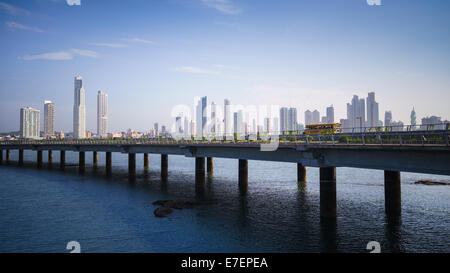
<point>50,156</point>
<point>8,156</point>
<point>209,165</point>
<point>131,165</point>
<point>243,174</point>
<point>62,159</point>
<point>1,157</point>
<point>164,166</point>
<point>328,192</point>
<point>81,161</point>
<point>199,169</point>
<point>146,161</point>
<point>20,157</point>
<point>39,159</point>
<point>301,173</point>
<point>392,193</point>
<point>94,159</point>
<point>108,163</point>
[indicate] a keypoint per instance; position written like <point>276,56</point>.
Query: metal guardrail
<point>431,137</point>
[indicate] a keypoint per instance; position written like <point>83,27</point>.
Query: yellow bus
<point>323,128</point>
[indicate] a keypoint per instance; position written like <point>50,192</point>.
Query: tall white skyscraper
<point>387,118</point>
<point>30,122</point>
<point>214,120</point>
<point>49,118</point>
<point>372,110</point>
<point>227,120</point>
<point>102,114</point>
<point>79,110</point>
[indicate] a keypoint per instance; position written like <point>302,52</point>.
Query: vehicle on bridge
<point>323,128</point>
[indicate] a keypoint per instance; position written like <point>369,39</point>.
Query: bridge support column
<point>199,169</point>
<point>301,173</point>
<point>81,162</point>
<point>94,159</point>
<point>392,193</point>
<point>50,156</point>
<point>146,161</point>
<point>209,165</point>
<point>8,156</point>
<point>1,157</point>
<point>164,166</point>
<point>62,159</point>
<point>20,157</point>
<point>131,165</point>
<point>108,163</point>
<point>328,192</point>
<point>39,159</point>
<point>243,174</point>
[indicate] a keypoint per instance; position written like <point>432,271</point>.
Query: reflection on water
<point>40,210</point>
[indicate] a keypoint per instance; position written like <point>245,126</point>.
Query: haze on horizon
<point>152,55</point>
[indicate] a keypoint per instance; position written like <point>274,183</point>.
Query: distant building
<point>88,134</point>
<point>432,122</point>
<point>372,110</point>
<point>308,117</point>
<point>102,114</point>
<point>413,117</point>
<point>397,126</point>
<point>60,135</point>
<point>227,122</point>
<point>201,117</point>
<point>323,119</point>
<point>315,117</point>
<point>49,119</point>
<point>79,110</point>
<point>267,125</point>
<point>155,126</point>
<point>330,114</point>
<point>387,118</point>
<point>283,119</point>
<point>214,121</point>
<point>292,119</point>
<point>29,123</point>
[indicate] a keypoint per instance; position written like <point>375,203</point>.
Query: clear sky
<point>150,55</point>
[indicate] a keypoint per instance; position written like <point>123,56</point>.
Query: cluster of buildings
<point>212,120</point>
<point>30,117</point>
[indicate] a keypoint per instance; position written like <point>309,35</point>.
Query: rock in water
<point>430,182</point>
<point>162,211</point>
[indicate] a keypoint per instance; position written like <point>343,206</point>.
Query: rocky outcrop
<point>430,182</point>
<point>166,206</point>
<point>162,211</point>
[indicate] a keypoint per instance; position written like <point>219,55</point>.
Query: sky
<point>151,55</point>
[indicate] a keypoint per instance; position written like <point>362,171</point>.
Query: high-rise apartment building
<point>292,119</point>
<point>79,110</point>
<point>227,121</point>
<point>49,119</point>
<point>283,119</point>
<point>330,114</point>
<point>102,114</point>
<point>201,117</point>
<point>387,118</point>
<point>308,117</point>
<point>372,110</point>
<point>29,123</point>
<point>315,117</point>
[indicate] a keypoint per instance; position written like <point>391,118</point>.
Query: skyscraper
<point>283,119</point>
<point>155,126</point>
<point>292,119</point>
<point>330,114</point>
<point>49,119</point>
<point>102,114</point>
<point>315,117</point>
<point>372,110</point>
<point>29,123</point>
<point>201,117</point>
<point>227,122</point>
<point>413,117</point>
<point>213,119</point>
<point>308,117</point>
<point>79,110</point>
<point>387,118</point>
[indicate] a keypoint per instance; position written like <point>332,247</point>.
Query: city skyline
<point>296,60</point>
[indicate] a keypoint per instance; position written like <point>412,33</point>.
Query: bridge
<point>418,151</point>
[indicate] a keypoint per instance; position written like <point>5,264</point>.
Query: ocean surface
<point>41,210</point>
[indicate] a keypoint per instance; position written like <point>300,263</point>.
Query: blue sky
<point>152,55</point>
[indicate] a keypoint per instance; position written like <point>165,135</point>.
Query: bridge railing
<point>401,135</point>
